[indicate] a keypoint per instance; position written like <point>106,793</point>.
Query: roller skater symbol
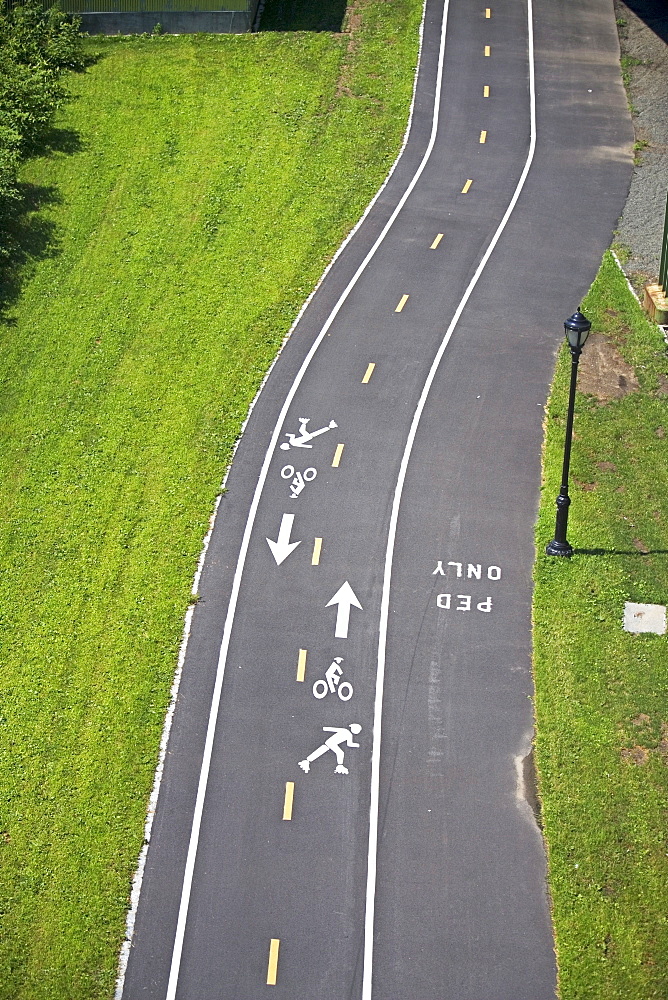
<point>334,743</point>
<point>303,437</point>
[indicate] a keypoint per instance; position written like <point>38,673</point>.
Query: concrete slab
<point>644,618</point>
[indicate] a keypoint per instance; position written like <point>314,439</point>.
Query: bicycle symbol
<point>299,479</point>
<point>333,683</point>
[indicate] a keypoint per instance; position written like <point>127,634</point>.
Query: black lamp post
<point>577,329</point>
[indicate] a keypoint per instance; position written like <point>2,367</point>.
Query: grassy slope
<point>216,177</point>
<point>601,691</point>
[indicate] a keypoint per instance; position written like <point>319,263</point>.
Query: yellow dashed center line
<point>436,241</point>
<point>483,135</point>
<point>337,456</point>
<point>402,303</point>
<point>317,546</point>
<point>485,91</point>
<point>272,969</point>
<point>301,665</point>
<point>488,12</point>
<point>287,806</point>
<point>467,186</point>
<point>369,372</point>
<point>488,50</point>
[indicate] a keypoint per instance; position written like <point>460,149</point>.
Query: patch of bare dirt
<point>663,745</point>
<point>636,755</point>
<point>641,720</point>
<point>352,26</point>
<point>603,372</point>
<point>607,466</point>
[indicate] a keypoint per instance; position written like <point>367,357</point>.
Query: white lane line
<point>367,977</point>
<point>186,889</point>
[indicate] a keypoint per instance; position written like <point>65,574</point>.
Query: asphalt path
<point>401,858</point>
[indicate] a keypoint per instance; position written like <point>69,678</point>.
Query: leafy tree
<point>36,45</point>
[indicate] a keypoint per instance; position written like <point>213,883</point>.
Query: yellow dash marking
<point>273,961</point>
<point>301,665</point>
<point>369,372</point>
<point>485,91</point>
<point>467,186</point>
<point>402,303</point>
<point>287,804</point>
<point>488,50</point>
<point>436,241</point>
<point>488,12</point>
<point>315,558</point>
<point>483,135</point>
<point>338,453</point>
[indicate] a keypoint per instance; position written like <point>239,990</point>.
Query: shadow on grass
<point>619,552</point>
<point>303,15</point>
<point>27,238</point>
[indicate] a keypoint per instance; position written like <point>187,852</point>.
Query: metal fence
<point>142,6</point>
<point>147,6</point>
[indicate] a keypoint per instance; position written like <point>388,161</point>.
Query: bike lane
<point>260,877</point>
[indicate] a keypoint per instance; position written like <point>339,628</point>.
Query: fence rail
<point>141,6</point>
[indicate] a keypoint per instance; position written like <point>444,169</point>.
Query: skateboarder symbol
<point>334,743</point>
<point>302,438</point>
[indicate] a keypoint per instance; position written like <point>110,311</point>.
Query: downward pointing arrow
<point>345,598</point>
<point>282,547</point>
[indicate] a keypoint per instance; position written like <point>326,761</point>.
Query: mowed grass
<point>602,693</point>
<point>215,178</point>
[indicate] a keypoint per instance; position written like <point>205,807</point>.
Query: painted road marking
<point>345,599</point>
<point>402,303</point>
<point>282,547</point>
<point>438,239</point>
<point>272,969</point>
<point>488,50</point>
<point>483,135</point>
<point>337,456</point>
<point>299,480</point>
<point>205,770</point>
<point>317,546</point>
<point>369,372</point>
<point>485,91</point>
<point>287,807</point>
<point>467,186</point>
<point>301,664</point>
<point>302,437</point>
<point>333,743</point>
<point>333,683</point>
<point>372,843</point>
<point>488,12</point>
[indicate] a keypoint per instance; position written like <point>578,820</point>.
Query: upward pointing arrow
<point>345,598</point>
<point>282,547</point>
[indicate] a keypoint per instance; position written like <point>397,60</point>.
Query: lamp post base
<point>556,548</point>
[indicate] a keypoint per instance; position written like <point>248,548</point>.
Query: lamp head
<point>577,329</point>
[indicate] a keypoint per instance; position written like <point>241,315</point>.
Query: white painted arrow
<point>345,598</point>
<point>282,547</point>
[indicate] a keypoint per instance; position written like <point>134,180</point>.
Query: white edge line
<point>367,977</point>
<point>626,277</point>
<point>169,716</point>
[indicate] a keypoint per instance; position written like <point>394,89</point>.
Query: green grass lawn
<point>196,190</point>
<point>602,693</point>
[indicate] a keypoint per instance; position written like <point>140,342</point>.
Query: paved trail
<point>354,823</point>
